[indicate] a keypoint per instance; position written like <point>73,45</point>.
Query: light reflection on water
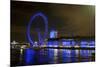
<point>51,56</point>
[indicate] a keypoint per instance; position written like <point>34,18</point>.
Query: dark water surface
<point>49,56</point>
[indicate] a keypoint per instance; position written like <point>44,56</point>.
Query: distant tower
<point>53,34</point>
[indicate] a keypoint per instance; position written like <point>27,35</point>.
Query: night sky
<point>67,19</point>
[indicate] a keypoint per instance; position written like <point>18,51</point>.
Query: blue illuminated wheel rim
<point>30,23</point>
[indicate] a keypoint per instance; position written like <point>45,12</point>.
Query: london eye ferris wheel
<point>41,35</point>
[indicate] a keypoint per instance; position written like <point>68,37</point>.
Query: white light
<point>55,45</point>
<point>14,42</point>
<point>55,52</point>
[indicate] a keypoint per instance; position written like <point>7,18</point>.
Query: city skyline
<point>51,33</point>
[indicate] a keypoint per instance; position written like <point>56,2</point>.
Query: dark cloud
<point>67,19</point>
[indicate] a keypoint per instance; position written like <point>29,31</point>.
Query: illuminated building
<point>53,34</point>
